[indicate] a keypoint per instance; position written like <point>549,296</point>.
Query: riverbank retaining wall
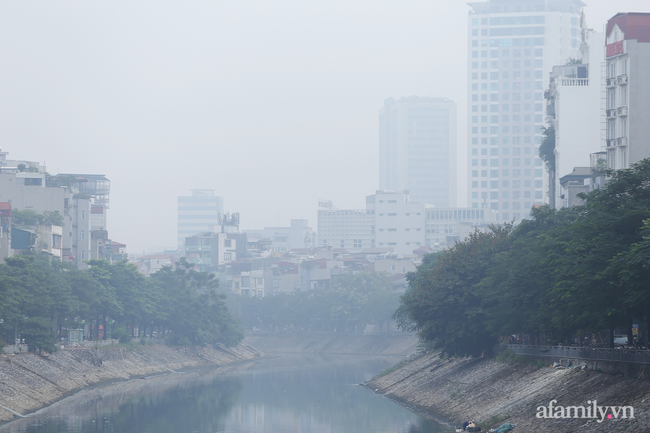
<point>29,381</point>
<point>381,344</point>
<point>492,392</point>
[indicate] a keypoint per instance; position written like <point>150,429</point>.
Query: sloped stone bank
<point>388,344</point>
<point>492,392</point>
<point>29,382</point>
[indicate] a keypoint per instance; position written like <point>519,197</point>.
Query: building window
<point>227,256</point>
<point>83,234</point>
<point>83,214</point>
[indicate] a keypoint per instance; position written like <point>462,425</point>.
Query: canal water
<point>298,393</point>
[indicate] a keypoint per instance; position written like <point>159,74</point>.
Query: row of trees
<point>352,302</point>
<point>39,296</point>
<point>558,276</point>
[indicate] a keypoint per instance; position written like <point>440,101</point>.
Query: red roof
<point>635,25</point>
<point>5,208</point>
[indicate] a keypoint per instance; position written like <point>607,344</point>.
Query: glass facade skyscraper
<point>417,149</point>
<point>513,45</point>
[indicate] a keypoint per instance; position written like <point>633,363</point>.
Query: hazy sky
<point>274,104</point>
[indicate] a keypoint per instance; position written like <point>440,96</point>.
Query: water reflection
<point>306,394</point>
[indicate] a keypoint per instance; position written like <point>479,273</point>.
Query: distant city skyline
<point>273,105</point>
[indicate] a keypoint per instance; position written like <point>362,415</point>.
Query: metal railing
<point>633,356</point>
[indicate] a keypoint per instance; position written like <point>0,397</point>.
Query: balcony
<point>611,113</point>
<point>611,82</point>
<point>622,111</point>
<point>622,141</point>
<point>611,142</point>
<point>573,82</point>
<point>622,79</point>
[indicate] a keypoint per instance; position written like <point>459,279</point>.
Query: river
<point>297,393</point>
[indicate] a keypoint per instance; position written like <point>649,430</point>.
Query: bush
<point>507,355</point>
<point>121,334</point>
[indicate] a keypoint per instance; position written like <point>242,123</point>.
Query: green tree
<point>192,310</point>
<point>443,302</point>
<point>39,335</point>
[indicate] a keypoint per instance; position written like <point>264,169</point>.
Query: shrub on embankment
<point>560,275</point>
<point>40,298</point>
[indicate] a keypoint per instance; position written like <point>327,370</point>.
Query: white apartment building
<point>511,49</point>
<point>628,89</point>
<point>198,213</point>
<point>391,220</point>
<point>417,149</point>
<point>444,226</point>
<point>352,229</point>
<point>574,109</point>
<point>399,222</point>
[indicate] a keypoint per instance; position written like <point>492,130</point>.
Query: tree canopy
<point>560,275</point>
<point>39,296</point>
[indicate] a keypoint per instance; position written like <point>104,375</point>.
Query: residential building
<point>417,149</point>
<point>208,250</point>
<point>91,201</point>
<point>511,48</point>
<point>5,231</point>
<point>283,239</point>
<point>198,213</point>
<point>628,89</point>
<point>252,283</point>
<point>574,110</point>
<point>394,265</point>
<point>150,264</point>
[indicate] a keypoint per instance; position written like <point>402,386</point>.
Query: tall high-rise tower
<point>198,213</point>
<point>417,149</point>
<point>512,47</point>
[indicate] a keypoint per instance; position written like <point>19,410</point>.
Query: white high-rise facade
<point>198,213</point>
<point>512,47</point>
<point>628,89</point>
<point>417,149</point>
<point>573,108</point>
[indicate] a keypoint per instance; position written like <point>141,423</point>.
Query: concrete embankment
<point>492,392</point>
<point>29,382</point>
<point>387,344</point>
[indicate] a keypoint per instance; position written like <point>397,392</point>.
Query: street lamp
<point>79,321</point>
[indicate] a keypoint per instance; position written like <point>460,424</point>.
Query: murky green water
<point>308,394</point>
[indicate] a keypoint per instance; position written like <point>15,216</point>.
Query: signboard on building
<point>615,49</point>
